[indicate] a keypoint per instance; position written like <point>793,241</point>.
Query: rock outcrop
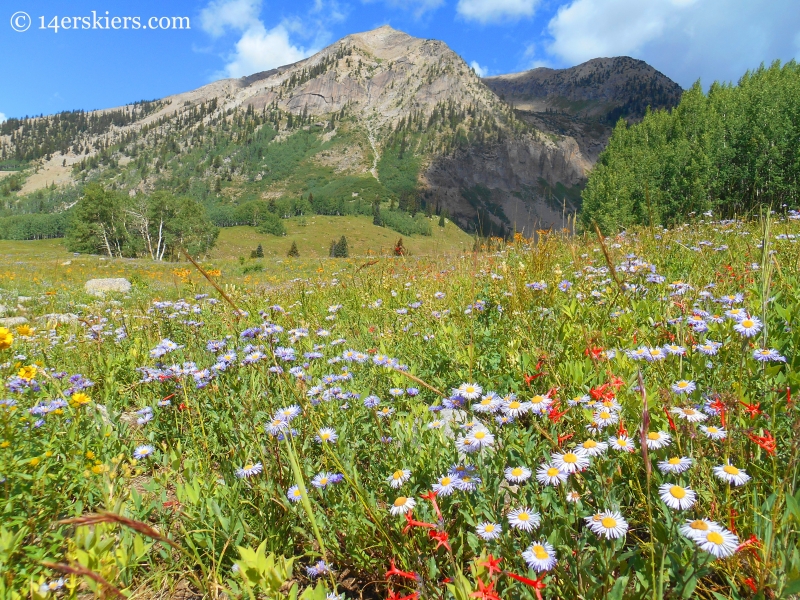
<point>100,287</point>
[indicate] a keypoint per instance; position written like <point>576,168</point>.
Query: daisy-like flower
<point>446,485</point>
<point>768,355</point>
<point>517,474</point>
<point>322,480</point>
<point>604,418</point>
<point>468,483</point>
<point>677,497</point>
<point>675,464</point>
<point>593,448</point>
<point>385,412</point>
<point>579,400</point>
<point>482,437</point>
<point>720,543</point>
<point>709,348</point>
<point>571,462</point>
<point>675,350</point>
<point>327,435</point>
<point>656,354</point>
<point>470,391</point>
<point>524,519</point>
<point>249,470</point>
<point>143,452</point>
<point>540,556</point>
<point>714,433</point>
<point>683,387</point>
<point>697,528</point>
<point>573,496</point>
<point>690,414</point>
<point>608,524</point>
<point>539,403</point>
<point>289,413</point>
<point>436,424</point>
<point>467,445</point>
<point>748,326</point>
<point>622,443</point>
<point>550,475</point>
<point>276,426</point>
<point>657,439</point>
<point>402,505</point>
<point>731,474</point>
<point>294,494</point>
<point>488,404</point>
<point>515,408</point>
<point>488,531</point>
<point>398,478</point>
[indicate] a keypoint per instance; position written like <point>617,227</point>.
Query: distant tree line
<point>158,225</point>
<point>728,151</point>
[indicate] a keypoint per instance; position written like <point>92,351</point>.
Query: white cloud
<point>2,117</point>
<point>479,70</point>
<point>686,39</point>
<point>220,15</point>
<point>493,11</point>
<point>260,49</point>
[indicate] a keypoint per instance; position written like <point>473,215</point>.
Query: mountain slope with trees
<point>728,151</point>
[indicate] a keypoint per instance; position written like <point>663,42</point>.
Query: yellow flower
<point>48,454</point>
<point>98,469</point>
<point>90,455</point>
<point>80,399</point>
<point>6,339</point>
<point>27,373</point>
<point>35,461</point>
<point>25,331</point>
<point>5,444</point>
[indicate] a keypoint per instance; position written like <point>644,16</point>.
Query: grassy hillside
<point>30,266</point>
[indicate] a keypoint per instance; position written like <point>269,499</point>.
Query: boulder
<point>99,287</point>
<point>13,321</point>
<point>59,318</point>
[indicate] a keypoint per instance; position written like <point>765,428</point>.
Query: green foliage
<point>272,224</point>
<point>404,223</point>
<point>34,226</point>
<point>339,249</point>
<point>727,151</point>
<point>293,251</point>
<point>158,226</point>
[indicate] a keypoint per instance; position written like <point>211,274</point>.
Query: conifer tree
<point>293,251</point>
<point>259,252</point>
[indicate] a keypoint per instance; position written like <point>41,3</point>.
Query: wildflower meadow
<point>564,417</point>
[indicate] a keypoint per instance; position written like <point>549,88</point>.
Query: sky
<point>93,61</point>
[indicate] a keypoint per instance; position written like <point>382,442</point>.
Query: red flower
<point>432,497</point>
<point>441,538</point>
<point>766,441</point>
<point>564,437</point>
<point>752,409</point>
<point>595,352</point>
<point>669,418</point>
<point>751,584</point>
<point>182,406</point>
<point>752,542</point>
<point>395,571</point>
<point>537,584</point>
<point>491,564</point>
<point>617,382</point>
<point>410,522</point>
<point>555,415</point>
<point>485,592</point>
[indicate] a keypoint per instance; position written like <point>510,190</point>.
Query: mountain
<point>377,117</point>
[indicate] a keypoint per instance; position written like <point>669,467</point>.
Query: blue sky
<point>44,71</point>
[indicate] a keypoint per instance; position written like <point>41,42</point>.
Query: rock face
<point>603,88</point>
<point>100,287</point>
<point>13,321</point>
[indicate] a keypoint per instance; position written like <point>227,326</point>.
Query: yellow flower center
<point>248,467</point>
<point>513,405</point>
<point>479,435</point>
<point>323,481</point>
<point>699,525</point>
<point>400,501</point>
<point>469,389</point>
<point>682,384</point>
<point>516,472</point>
<point>747,323</point>
<point>552,472</point>
<point>325,436</point>
<point>730,470</point>
<point>523,516</point>
<point>489,528</point>
<point>397,475</point>
<point>445,481</point>
<point>608,522</point>
<point>712,429</point>
<point>653,435</point>
<point>466,479</point>
<point>715,538</point>
<point>570,457</point>
<point>678,492</point>
<point>539,552</point>
<point>689,411</point>
<point>605,415</point>
<point>537,399</point>
<point>588,444</point>
<point>622,442</point>
<point>674,461</point>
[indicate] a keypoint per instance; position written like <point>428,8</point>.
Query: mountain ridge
<point>406,113</point>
